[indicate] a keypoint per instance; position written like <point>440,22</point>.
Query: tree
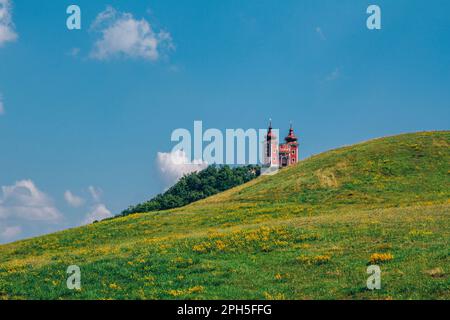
<point>196,186</point>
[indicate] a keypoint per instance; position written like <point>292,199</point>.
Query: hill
<point>308,232</point>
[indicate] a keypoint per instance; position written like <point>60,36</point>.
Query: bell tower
<point>289,150</point>
<point>292,143</point>
<point>271,148</point>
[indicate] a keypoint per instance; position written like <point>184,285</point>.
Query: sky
<point>86,116</point>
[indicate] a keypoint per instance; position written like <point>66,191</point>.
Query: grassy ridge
<point>307,232</point>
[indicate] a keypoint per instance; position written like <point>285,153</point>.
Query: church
<point>280,155</point>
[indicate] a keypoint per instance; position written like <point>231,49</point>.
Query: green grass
<point>306,233</point>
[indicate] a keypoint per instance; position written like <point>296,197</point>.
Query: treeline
<point>197,186</point>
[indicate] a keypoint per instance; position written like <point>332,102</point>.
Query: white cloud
<point>99,212</point>
<point>24,200</point>
<point>73,200</point>
<point>2,106</point>
<point>333,75</point>
<point>172,166</point>
<point>7,32</point>
<point>319,31</point>
<point>121,35</point>
<point>96,193</point>
<point>9,233</point>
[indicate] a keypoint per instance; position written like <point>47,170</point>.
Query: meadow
<point>308,232</point>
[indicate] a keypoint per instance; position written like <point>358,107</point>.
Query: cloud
<point>9,233</point>
<point>121,35</point>
<point>172,166</point>
<point>2,106</point>
<point>24,200</point>
<point>99,212</point>
<point>73,200</point>
<point>96,193</point>
<point>74,52</point>
<point>319,31</point>
<point>333,75</point>
<point>7,30</point>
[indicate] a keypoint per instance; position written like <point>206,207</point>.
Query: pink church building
<point>280,155</point>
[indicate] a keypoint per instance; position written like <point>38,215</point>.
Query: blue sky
<point>77,118</point>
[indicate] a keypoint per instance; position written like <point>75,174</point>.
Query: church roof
<point>291,136</point>
<point>270,133</point>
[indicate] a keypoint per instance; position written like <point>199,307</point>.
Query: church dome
<point>291,136</point>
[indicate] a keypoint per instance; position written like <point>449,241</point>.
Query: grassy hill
<point>308,232</point>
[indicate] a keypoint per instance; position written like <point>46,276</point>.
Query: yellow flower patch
<point>318,260</point>
<point>380,258</point>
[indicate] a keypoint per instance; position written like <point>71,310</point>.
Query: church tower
<point>292,142</point>
<point>289,150</point>
<point>271,149</point>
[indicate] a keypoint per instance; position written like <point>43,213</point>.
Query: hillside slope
<point>306,233</point>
